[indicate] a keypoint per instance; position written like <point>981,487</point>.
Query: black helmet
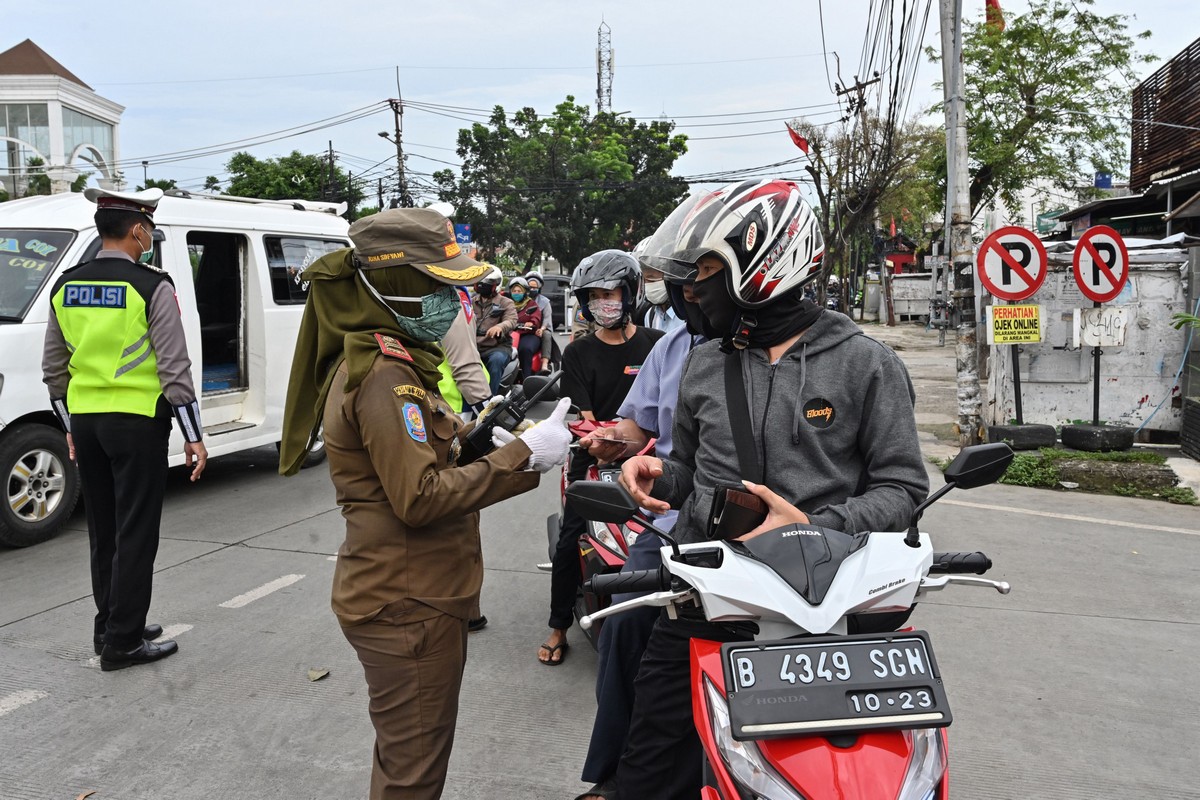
<point>608,269</point>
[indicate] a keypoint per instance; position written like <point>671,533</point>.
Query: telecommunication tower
<point>604,68</point>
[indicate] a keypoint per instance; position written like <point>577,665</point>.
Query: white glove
<point>548,441</point>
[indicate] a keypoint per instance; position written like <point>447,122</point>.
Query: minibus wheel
<point>41,484</point>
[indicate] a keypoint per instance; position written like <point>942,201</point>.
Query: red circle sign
<point>1011,263</point>
<point>1101,263</point>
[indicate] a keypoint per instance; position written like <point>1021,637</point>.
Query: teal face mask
<point>518,297</point>
<point>147,254</point>
<point>438,311</point>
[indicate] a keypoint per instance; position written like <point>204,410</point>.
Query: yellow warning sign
<point>1014,324</point>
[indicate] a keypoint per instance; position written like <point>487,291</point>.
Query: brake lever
<point>936,584</point>
<point>653,599</point>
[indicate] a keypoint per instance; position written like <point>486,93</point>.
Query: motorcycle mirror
<point>601,501</point>
<point>974,466</point>
<point>979,465</point>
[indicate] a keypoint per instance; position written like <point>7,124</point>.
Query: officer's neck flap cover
<point>340,321</point>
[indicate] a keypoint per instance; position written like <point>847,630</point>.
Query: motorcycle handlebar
<point>638,580</point>
<point>960,563</point>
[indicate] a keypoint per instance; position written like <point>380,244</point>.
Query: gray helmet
<point>608,269</point>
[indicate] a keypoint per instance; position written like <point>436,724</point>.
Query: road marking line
<point>262,591</point>
<point>1072,517</point>
<point>11,702</point>
<point>171,631</point>
<point>332,558</point>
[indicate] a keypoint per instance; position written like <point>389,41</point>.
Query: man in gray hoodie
<point>834,439</point>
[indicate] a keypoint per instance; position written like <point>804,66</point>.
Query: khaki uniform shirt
<point>412,517</point>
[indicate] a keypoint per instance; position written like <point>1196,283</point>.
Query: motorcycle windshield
<point>27,260</point>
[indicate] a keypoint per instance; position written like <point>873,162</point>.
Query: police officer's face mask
<point>148,251</point>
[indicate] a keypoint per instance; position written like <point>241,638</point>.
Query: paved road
<point>1079,684</point>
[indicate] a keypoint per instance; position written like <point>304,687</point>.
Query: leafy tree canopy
<point>1041,97</point>
<point>566,185</point>
<point>292,177</point>
<point>153,183</point>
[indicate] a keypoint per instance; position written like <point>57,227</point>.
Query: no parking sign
<point>1101,263</point>
<point>1012,263</point>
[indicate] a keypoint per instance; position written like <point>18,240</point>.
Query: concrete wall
<point>1056,377</point>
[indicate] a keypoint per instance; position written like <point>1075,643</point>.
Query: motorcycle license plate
<point>610,475</point>
<point>828,684</point>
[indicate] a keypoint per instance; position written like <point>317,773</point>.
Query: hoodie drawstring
<point>799,410</point>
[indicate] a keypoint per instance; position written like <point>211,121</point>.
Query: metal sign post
<point>1101,267</point>
<point>1012,266</point>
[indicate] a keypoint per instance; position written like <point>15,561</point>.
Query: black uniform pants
<point>663,757</point>
<point>618,657</point>
<point>565,573</point>
<point>123,462</point>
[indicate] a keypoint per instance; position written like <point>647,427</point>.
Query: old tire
<point>1097,438</point>
<point>1023,437</point>
<point>41,485</point>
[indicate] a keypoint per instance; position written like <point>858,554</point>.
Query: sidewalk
<point>932,369</point>
<point>933,372</point>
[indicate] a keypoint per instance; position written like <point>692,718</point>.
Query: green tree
<point>1046,96</point>
<point>292,177</point>
<point>39,181</point>
<point>211,184</point>
<point>865,170</point>
<point>567,184</point>
<point>154,183</point>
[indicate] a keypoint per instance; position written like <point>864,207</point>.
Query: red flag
<point>995,16</point>
<point>797,139</point>
<point>893,227</point>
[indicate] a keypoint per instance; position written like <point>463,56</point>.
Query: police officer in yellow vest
<point>116,363</point>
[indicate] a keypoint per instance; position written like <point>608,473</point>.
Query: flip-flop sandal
<point>561,646</point>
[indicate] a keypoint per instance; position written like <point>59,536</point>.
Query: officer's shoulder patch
<point>414,422</point>
<point>410,391</point>
<point>390,346</point>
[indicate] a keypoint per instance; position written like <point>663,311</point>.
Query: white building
<point>46,112</point>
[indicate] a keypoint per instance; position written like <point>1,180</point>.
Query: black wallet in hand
<point>735,512</point>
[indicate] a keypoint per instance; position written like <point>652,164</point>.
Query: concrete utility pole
<point>958,228</point>
<point>398,111</point>
<point>604,68</point>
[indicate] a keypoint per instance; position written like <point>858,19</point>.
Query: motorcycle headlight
<point>926,766</point>
<point>744,760</point>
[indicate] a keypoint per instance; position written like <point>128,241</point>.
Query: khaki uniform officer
<point>409,572</point>
<point>117,366</point>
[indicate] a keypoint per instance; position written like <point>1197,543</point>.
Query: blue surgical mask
<point>438,311</point>
<point>518,297</point>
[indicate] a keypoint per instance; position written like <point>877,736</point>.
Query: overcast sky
<point>197,74</point>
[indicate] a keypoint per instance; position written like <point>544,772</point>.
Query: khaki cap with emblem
<point>420,238</point>
<point>144,202</point>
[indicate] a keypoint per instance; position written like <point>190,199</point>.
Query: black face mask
<point>759,327</point>
<point>485,290</point>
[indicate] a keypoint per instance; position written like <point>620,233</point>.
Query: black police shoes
<point>476,625</point>
<point>112,658</point>
<point>151,632</point>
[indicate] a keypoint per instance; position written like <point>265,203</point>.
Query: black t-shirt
<point>597,376</point>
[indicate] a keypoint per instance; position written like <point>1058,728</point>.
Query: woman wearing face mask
<point>546,332</point>
<point>529,322</point>
<point>598,371</point>
<point>656,310</point>
<point>409,571</point>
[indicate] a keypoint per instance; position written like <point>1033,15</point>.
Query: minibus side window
<point>287,257</point>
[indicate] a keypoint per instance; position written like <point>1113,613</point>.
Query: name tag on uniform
<point>76,295</point>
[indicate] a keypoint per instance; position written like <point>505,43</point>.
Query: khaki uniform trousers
<point>414,672</point>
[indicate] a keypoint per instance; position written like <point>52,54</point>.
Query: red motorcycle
<point>803,709</point>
